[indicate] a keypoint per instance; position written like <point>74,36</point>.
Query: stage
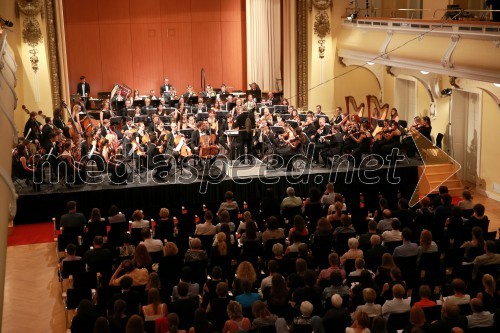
<point>195,189</point>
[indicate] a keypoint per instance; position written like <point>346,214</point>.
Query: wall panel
<point>140,43</point>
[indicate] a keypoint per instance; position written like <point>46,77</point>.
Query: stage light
<point>446,92</point>
<point>496,85</point>
<point>370,63</point>
<point>424,72</point>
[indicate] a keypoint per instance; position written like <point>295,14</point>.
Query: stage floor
<point>143,191</point>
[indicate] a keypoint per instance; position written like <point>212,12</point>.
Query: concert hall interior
<point>250,166</point>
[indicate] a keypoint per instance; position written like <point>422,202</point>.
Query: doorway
<point>465,111</point>
<point>406,99</point>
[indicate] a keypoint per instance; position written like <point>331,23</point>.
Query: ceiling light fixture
<point>496,85</point>
<point>370,63</point>
<point>424,72</point>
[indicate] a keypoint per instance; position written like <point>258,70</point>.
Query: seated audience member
<point>229,204</point>
<point>132,298</point>
<point>337,318</point>
<point>207,228</point>
<point>195,253</point>
<point>299,228</point>
<point>475,247</point>
<point>247,298</point>
<point>374,255</point>
<point>184,306</point>
<point>417,320</point>
<point>336,287</point>
<point>152,245</point>
<point>244,271</point>
<point>127,268</point>
<point>359,266</point>
<point>379,325</point>
<point>247,216</point>
<point>155,308</point>
<point>404,214</point>
<point>263,317</point>
<point>425,297</point>
<point>217,306</point>
<point>138,220</point>
<point>115,216</point>
<point>273,230</point>
<point>272,267</point>
<point>450,318</point>
<point>479,317</point>
<point>225,218</point>
<point>365,239</point>
<point>384,270</point>
<point>142,259</point>
<point>386,222</point>
<point>291,200</point>
<point>393,235</point>
<point>478,219</point>
<point>365,281</point>
<point>174,324</point>
<point>251,233</point>
<point>193,288</point>
<point>407,249</point>
<point>118,319</point>
<point>310,292</point>
<point>72,220</point>
<point>370,308</point>
<point>236,321</point>
<point>466,203</point>
<point>333,260</point>
<point>346,226</point>
<point>398,304</point>
<point>70,255</point>
<point>396,278</point>
<point>361,324</point>
<point>353,252</point>
<point>427,245</point>
<point>98,259</point>
<point>459,296</point>
<point>304,321</point>
<point>85,317</point>
<point>328,197</point>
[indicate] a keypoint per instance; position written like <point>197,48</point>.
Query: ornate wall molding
<point>321,23</point>
<point>302,49</point>
<point>52,56</point>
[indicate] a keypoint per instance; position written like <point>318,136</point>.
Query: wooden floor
<point>32,293</point>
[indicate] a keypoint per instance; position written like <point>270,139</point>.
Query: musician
<point>391,138</point>
<point>224,140</point>
<point>33,127</point>
<point>195,138</point>
<point>351,139</point>
<point>322,129</point>
<point>295,116</point>
<point>250,105</point>
<point>215,107</point>
<point>426,128</point>
<point>59,122</point>
<point>375,113</point>
<point>285,102</point>
<point>118,97</point>
<point>75,173</point>
<point>212,122</point>
<point>106,112</point>
<point>237,109</point>
<point>163,103</point>
<point>137,111</point>
<point>334,144</point>
<point>255,91</point>
<point>245,122</point>
<point>222,92</point>
<point>267,116</point>
<point>124,111</point>
<point>105,128</point>
<point>190,92</point>
<point>147,106</point>
<point>46,130</point>
<point>293,147</point>
<point>262,142</point>
<point>165,87</point>
<point>115,167</point>
<point>200,107</point>
<point>321,114</point>
<point>156,126</point>
<point>83,88</point>
<point>22,168</point>
<point>338,115</point>
<point>309,128</point>
<point>417,122</point>
<point>137,96</point>
<point>161,111</point>
<point>271,99</point>
<point>394,114</point>
<point>152,95</point>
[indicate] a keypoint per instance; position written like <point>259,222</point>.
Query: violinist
<point>236,111</point>
<point>115,167</point>
<point>262,142</point>
<point>156,125</point>
<point>74,170</point>
<point>309,129</point>
<point>385,127</point>
<point>295,116</point>
<point>267,116</point>
<point>394,115</point>
<point>319,144</point>
<point>161,111</point>
<point>59,122</point>
<point>417,122</point>
<point>216,106</point>
<point>334,143</point>
<point>212,123</point>
<point>294,147</point>
<point>124,111</point>
<point>106,112</point>
<point>351,139</point>
<point>46,130</point>
<point>137,111</point>
<point>105,129</point>
<point>250,105</point>
<point>33,128</point>
<point>391,139</point>
<point>156,160</point>
<point>191,122</point>
<point>23,169</point>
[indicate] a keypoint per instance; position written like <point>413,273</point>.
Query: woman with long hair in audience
<point>236,320</point>
<point>244,271</point>
<point>360,325</point>
<point>85,317</point>
<point>335,214</point>
<point>155,308</point>
<point>273,230</point>
<point>221,255</point>
<point>467,203</point>
<point>383,274</point>
<point>118,321</point>
<point>251,232</point>
<point>263,317</point>
<point>427,245</point>
<point>169,267</point>
<point>475,246</point>
<point>142,259</point>
<point>299,228</point>
<point>96,224</point>
<point>454,228</point>
<point>201,323</point>
<point>417,320</point>
<point>154,282</point>
<point>489,295</point>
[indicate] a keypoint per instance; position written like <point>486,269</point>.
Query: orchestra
<point>139,134</point>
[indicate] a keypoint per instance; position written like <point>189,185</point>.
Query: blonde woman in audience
<point>138,220</point>
<point>353,252</point>
<point>155,308</point>
<point>244,271</point>
<point>361,324</point>
<point>370,308</point>
<point>236,320</point>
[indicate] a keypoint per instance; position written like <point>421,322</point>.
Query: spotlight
<point>496,85</point>
<point>7,23</point>
<point>424,72</point>
<point>446,92</point>
<point>370,63</point>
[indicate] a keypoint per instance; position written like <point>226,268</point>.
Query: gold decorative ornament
<point>302,50</point>
<point>34,59</point>
<point>32,34</point>
<point>321,23</point>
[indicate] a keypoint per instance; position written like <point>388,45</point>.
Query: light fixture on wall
<point>424,72</point>
<point>446,92</point>
<point>496,85</point>
<point>370,63</point>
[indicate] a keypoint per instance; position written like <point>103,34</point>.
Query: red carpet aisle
<point>32,234</point>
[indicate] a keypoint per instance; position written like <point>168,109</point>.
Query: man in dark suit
<point>338,115</point>
<point>184,307</point>
<point>245,122</point>
<point>83,88</point>
<point>321,114</point>
<point>373,257</point>
<point>131,297</point>
<point>195,138</point>
<point>165,87</point>
<point>46,130</point>
<point>33,127</point>
<point>73,221</point>
<point>271,99</point>
<point>99,259</point>
<point>105,129</point>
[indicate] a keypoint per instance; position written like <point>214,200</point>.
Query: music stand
<point>221,114</point>
<point>285,116</point>
<point>280,108</point>
<point>104,94</point>
<point>139,102</point>
<point>230,106</point>
<point>192,100</point>
<point>292,123</point>
<point>201,116</point>
<point>130,112</point>
<point>173,102</point>
<point>270,108</point>
<point>151,111</point>
<point>115,120</point>
<point>277,129</point>
<point>303,116</point>
<point>166,119</point>
<point>155,102</point>
<point>140,119</point>
<point>169,110</point>
<point>119,105</point>
<point>223,97</point>
<point>187,132</point>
